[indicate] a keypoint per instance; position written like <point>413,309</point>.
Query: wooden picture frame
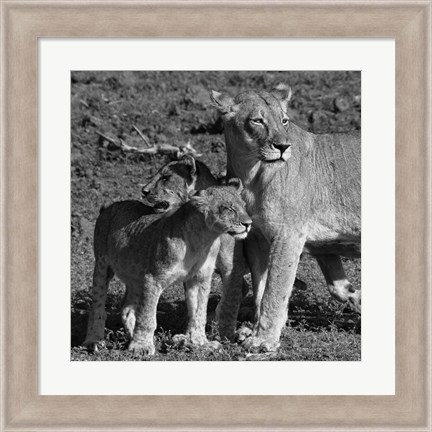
<point>23,409</point>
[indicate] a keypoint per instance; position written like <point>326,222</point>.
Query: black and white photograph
<point>216,216</point>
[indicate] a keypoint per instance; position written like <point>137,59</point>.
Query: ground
<point>173,108</point>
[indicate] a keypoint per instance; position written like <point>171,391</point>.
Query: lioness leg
<point>338,285</point>
<point>145,325</point>
<point>285,254</point>
<point>257,252</point>
<point>102,275</point>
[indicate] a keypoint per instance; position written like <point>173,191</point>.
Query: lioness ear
<point>190,162</point>
<point>222,102</point>
<point>236,183</point>
<point>283,93</point>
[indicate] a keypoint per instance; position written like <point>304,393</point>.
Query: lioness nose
<point>246,223</point>
<point>145,191</point>
<point>281,147</point>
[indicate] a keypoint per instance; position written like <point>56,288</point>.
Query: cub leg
<point>129,310</point>
<point>102,275</point>
<point>337,283</point>
<point>145,318</point>
<point>231,255</point>
<point>197,294</point>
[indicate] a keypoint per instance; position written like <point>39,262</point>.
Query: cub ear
<point>191,164</point>
<point>166,170</point>
<point>199,199</point>
<point>283,93</point>
<point>223,102</point>
<point>236,183</point>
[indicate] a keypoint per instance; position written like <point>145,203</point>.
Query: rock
<point>162,138</point>
<point>76,156</point>
<point>86,228</point>
<point>199,95</point>
<point>172,130</point>
<point>318,117</point>
<point>173,109</point>
<point>341,103</point>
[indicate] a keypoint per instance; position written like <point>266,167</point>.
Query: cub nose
<point>281,147</point>
<point>145,191</point>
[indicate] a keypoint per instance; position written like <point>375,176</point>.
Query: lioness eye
<point>259,121</point>
<point>285,121</point>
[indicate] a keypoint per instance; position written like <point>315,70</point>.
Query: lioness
<point>149,252</point>
<point>303,193</point>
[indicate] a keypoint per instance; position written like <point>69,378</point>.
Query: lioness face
<point>224,209</point>
<point>171,185</point>
<point>258,123</point>
<point>264,127</point>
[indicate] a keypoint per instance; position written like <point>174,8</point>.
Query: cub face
<point>172,185</point>
<point>258,122</point>
<point>223,209</point>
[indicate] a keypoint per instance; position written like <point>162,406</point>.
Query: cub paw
<point>92,346</point>
<point>243,333</point>
<point>140,349</point>
<point>180,340</point>
<point>214,345</point>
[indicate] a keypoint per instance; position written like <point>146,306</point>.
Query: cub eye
<point>258,121</point>
<point>228,209</point>
<point>285,121</point>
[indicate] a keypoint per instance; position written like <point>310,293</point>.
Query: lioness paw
<point>355,301</point>
<point>256,344</point>
<point>140,349</point>
<point>181,340</point>
<point>190,339</point>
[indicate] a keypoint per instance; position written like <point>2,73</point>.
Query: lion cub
<point>169,188</point>
<point>149,252</point>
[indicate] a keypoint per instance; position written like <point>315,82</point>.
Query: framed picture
<point>122,81</point>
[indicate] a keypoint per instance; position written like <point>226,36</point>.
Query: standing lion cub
<point>149,252</point>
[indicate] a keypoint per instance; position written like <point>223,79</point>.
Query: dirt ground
<point>173,108</point>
